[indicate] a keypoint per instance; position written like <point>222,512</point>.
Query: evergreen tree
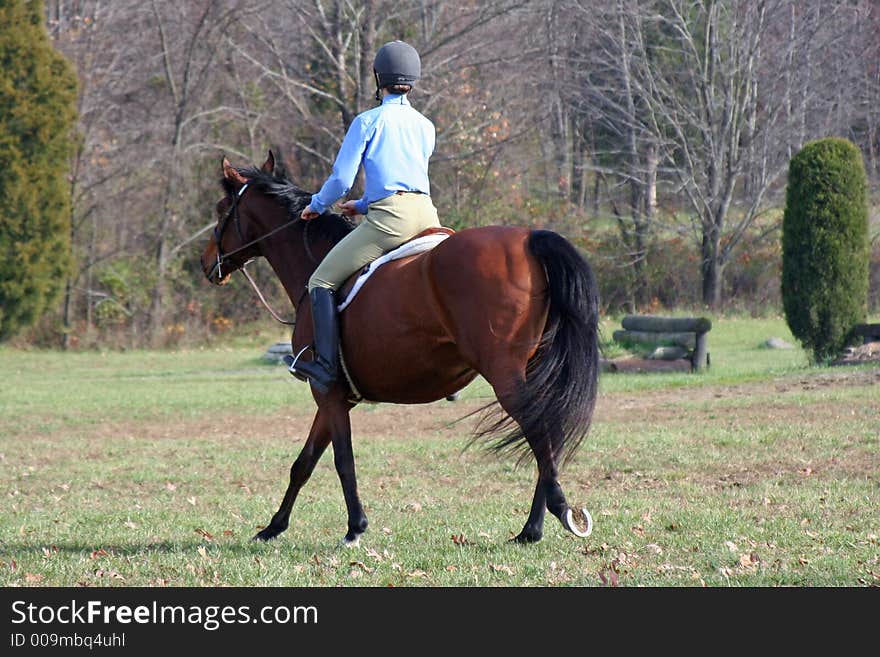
<point>825,246</point>
<point>38,90</point>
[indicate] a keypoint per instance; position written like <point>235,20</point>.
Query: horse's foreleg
<point>343,459</point>
<point>300,471</point>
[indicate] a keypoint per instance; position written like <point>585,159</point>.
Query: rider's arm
<point>344,169</point>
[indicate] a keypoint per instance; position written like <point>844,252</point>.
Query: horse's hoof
<point>526,537</point>
<point>267,534</point>
<point>568,523</point>
<point>350,540</point>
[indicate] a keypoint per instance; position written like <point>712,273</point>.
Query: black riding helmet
<point>396,63</point>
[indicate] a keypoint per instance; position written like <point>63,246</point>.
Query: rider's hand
<point>349,208</point>
<point>308,214</point>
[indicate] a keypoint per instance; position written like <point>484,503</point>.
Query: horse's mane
<point>329,225</point>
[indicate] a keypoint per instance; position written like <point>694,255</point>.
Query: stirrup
<point>290,361</point>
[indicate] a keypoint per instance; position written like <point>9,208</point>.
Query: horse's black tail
<point>559,395</point>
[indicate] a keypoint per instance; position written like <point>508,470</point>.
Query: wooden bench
<point>690,333</point>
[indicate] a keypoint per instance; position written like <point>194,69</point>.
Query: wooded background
<point>654,134</point>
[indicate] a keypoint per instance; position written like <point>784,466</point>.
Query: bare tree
<point>188,37</point>
<point>327,70</point>
<point>100,168</point>
<point>706,85</point>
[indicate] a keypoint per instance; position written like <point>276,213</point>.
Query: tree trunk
<point>712,269</point>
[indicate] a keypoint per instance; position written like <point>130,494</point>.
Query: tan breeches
<point>390,222</point>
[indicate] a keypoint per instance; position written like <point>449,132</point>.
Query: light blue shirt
<point>394,143</point>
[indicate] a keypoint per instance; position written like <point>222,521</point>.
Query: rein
<point>266,303</point>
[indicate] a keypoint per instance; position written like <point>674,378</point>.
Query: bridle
<point>233,215</point>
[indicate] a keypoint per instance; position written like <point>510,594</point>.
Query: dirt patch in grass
<point>765,400</point>
<point>383,421</point>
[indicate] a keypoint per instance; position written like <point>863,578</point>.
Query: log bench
<point>690,333</point>
<point>868,332</point>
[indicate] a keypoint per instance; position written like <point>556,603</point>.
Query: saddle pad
<point>414,246</point>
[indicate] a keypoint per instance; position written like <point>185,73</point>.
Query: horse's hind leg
<point>300,471</point>
<point>548,493</point>
<point>533,530</point>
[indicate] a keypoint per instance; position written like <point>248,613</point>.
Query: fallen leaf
<point>130,524</point>
<point>417,573</point>
<point>228,532</point>
<point>612,578</point>
<point>206,535</point>
<point>191,500</point>
<point>96,554</point>
<point>203,552</point>
<point>749,560</point>
<point>170,486</point>
<point>108,573</point>
<point>460,540</point>
<point>731,546</point>
<point>34,577</point>
<point>499,568</point>
<point>414,507</point>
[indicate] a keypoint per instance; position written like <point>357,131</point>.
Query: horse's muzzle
<point>215,274</point>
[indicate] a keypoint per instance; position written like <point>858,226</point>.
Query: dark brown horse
<point>516,306</point>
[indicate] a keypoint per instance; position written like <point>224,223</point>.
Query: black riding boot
<point>321,370</point>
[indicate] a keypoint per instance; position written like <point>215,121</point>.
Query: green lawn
<point>148,468</point>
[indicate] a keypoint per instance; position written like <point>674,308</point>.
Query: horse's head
<point>232,243</point>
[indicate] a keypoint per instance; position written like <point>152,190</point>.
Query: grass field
<point>155,469</point>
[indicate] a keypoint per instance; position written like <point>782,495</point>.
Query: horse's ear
<point>231,173</point>
<point>269,164</point>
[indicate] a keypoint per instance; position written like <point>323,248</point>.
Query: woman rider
<point>393,143</point>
